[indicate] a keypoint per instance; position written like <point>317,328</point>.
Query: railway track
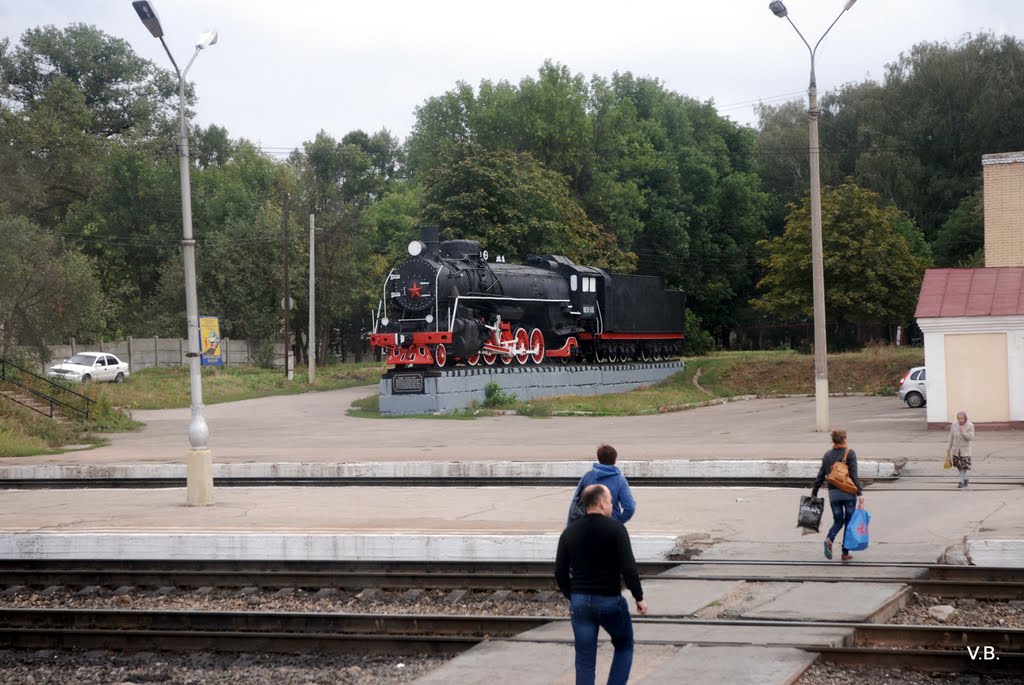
<point>942,580</point>
<point>896,483</point>
<point>425,482</point>
<point>942,648</point>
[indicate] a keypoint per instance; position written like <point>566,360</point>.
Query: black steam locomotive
<point>448,304</point>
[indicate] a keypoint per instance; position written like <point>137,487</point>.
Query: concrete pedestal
<point>199,477</point>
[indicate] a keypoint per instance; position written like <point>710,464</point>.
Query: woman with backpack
<point>839,468</point>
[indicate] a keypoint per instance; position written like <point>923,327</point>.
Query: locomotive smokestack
<point>429,237</point>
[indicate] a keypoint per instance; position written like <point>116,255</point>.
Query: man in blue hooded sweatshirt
<point>606,473</point>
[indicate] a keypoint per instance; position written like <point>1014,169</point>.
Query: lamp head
<point>207,38</point>
<point>148,16</point>
<point>779,8</point>
<point>849,4</point>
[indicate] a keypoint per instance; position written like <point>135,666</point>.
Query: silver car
<point>91,366</point>
<point>913,390</point>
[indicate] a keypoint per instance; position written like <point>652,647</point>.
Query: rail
<point>28,381</point>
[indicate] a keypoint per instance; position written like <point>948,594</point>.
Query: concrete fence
<point>144,353</point>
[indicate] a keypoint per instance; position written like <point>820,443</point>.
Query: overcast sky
<point>283,70</point>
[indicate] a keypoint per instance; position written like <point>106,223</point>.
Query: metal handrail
<point>8,377</point>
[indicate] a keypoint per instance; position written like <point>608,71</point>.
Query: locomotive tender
<point>448,304</point>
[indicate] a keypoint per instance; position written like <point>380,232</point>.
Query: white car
<point>86,367</point>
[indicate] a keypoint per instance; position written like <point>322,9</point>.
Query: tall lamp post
<point>311,354</point>
<point>199,469</point>
<point>817,262</point>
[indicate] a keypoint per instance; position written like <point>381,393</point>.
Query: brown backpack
<point>839,476</point>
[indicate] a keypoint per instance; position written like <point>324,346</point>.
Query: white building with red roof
<point>973,319</point>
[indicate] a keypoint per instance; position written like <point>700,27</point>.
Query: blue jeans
<point>843,504</point>
<point>588,612</point>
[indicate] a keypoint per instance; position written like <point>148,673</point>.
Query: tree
<point>662,175</point>
<point>66,96</point>
<point>961,239</point>
<point>340,182</point>
<point>46,292</point>
<point>516,207</point>
<point>871,275</point>
<point>125,94</point>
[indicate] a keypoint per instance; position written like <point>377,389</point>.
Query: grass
<point>168,388</point>
<point>25,433</point>
<point>873,371</point>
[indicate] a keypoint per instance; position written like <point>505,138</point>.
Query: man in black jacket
<point>594,558</point>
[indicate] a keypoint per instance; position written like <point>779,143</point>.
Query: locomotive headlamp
<point>429,318</point>
<point>385,321</point>
<point>416,248</point>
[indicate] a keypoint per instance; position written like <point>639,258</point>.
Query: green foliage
<point>916,138</point>
<point>871,274</point>
<point>515,207</point>
<point>662,175</point>
<point>67,96</point>
<point>46,292</point>
<point>961,239</point>
<point>494,396</point>
<point>698,341</point>
<point>341,182</point>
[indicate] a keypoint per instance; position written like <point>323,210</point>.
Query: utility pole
<point>286,303</point>
<point>312,301</point>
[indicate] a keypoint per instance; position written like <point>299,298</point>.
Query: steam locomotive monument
<point>450,322</point>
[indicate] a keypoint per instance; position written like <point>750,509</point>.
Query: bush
<point>494,396</point>
<point>698,341</point>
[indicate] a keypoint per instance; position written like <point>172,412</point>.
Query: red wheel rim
<point>473,359</point>
<point>440,355</point>
<point>537,342</point>
<point>489,359</point>
<point>522,342</point>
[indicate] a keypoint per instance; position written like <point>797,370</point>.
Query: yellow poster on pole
<point>209,342</point>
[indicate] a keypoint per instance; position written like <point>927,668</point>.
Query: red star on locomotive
<point>462,308</point>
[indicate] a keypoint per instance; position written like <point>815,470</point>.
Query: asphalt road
<point>314,427</point>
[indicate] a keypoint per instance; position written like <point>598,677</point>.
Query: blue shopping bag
<point>856,537</point>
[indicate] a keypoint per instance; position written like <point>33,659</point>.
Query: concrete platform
<point>489,522</point>
<point>506,663</point>
<point>645,632</point>
<point>839,601</point>
<point>686,468</point>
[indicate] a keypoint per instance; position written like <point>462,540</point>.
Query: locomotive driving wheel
<point>440,355</point>
<point>537,345</point>
<point>473,359</point>
<point>522,343</point>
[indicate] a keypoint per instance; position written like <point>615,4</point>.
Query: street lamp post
<point>817,261</point>
<point>311,354</point>
<point>199,462</point>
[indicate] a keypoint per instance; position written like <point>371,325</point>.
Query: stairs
<point>40,394</point>
<point>44,408</point>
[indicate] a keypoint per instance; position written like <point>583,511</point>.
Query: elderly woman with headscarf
<point>961,437</point>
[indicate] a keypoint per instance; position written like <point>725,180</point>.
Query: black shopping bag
<point>811,509</point>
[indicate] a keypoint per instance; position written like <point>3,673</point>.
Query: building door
<point>977,378</point>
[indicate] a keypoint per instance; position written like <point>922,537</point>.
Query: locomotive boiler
<point>448,304</point>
